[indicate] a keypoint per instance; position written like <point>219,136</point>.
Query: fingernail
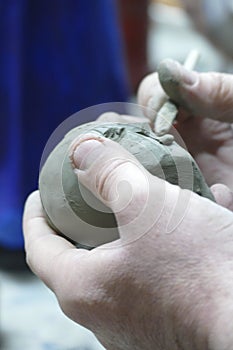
<point>174,73</point>
<point>173,77</point>
<point>85,151</point>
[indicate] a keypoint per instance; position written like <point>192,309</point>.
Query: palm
<point>211,144</point>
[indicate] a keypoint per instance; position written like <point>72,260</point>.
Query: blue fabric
<point>56,57</point>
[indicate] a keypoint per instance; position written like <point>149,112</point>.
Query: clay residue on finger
<point>169,79</point>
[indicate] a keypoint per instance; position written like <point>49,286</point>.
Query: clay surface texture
<point>74,212</point>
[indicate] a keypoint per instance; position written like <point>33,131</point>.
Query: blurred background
<point>56,58</point>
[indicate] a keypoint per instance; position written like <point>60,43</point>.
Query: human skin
<point>150,289</point>
<point>205,115</point>
<point>213,18</point>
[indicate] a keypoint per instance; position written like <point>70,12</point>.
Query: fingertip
<point>223,195</point>
<point>32,197</point>
<point>85,150</point>
<point>147,88</point>
<point>111,117</point>
<point>176,80</point>
<point>171,71</point>
<point>32,206</point>
<point>108,117</point>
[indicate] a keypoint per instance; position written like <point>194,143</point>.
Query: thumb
<point>208,95</point>
<point>116,178</point>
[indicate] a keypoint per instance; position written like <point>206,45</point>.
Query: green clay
<point>65,200</point>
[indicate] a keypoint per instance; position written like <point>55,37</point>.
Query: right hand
<point>205,115</point>
<point>214,20</point>
<point>167,283</point>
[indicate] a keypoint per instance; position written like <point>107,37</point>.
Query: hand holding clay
<point>166,283</point>
<point>69,205</point>
<point>205,115</point>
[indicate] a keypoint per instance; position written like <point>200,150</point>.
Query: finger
<point>121,118</point>
<point>208,95</point>
<point>118,180</point>
<point>223,195</point>
<point>151,95</point>
<point>48,254</point>
<point>74,275</point>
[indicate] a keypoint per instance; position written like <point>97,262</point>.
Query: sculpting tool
<point>168,112</point>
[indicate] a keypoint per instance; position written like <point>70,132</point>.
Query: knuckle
<point>110,175</point>
<point>222,93</point>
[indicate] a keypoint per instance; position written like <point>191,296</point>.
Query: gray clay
<point>165,118</point>
<point>62,195</point>
<point>169,84</point>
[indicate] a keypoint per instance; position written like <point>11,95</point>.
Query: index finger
<point>47,253</point>
<point>151,96</point>
<point>113,117</point>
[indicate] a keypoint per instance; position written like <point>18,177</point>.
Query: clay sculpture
<point>65,200</point>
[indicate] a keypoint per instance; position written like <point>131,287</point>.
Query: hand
<point>213,20</point>
<point>161,285</point>
<point>205,115</point>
